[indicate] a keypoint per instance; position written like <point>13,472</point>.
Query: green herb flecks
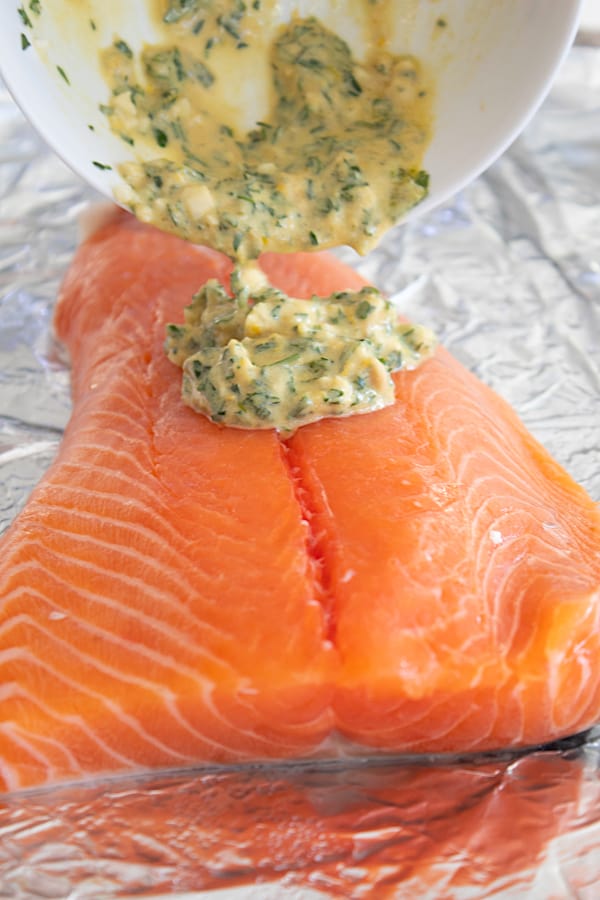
<point>63,75</point>
<point>124,48</point>
<point>24,17</point>
<point>223,20</point>
<point>260,359</point>
<point>161,137</point>
<point>336,161</point>
<point>177,9</point>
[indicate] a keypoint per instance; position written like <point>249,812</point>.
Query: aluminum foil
<point>508,274</point>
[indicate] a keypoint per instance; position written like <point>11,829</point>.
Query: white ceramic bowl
<point>494,62</point>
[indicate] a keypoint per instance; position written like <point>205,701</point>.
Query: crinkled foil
<point>508,274</point>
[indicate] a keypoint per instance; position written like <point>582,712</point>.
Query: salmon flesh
<point>421,579</point>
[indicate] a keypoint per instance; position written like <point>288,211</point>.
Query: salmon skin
<point>421,579</point>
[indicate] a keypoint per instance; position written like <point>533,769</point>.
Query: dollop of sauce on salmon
<point>261,359</point>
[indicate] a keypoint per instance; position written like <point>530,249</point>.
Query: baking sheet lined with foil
<point>508,275</point>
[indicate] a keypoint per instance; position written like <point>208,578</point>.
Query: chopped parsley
<point>260,359</point>
<point>24,17</point>
<point>161,137</point>
<point>124,48</point>
<point>63,74</point>
<point>335,162</point>
<point>363,309</point>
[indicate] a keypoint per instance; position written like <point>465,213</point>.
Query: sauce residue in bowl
<point>337,159</point>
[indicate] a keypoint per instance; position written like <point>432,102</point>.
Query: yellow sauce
<point>260,359</point>
<point>337,159</point>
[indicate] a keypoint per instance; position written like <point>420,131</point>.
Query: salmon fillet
<point>421,579</point>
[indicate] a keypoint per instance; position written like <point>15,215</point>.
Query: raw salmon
<point>421,579</point>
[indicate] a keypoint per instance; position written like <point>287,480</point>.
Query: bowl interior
<point>493,64</point>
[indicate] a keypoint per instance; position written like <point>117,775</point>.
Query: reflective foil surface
<point>508,275</point>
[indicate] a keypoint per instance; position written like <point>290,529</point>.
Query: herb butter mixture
<point>260,359</point>
<point>337,160</point>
